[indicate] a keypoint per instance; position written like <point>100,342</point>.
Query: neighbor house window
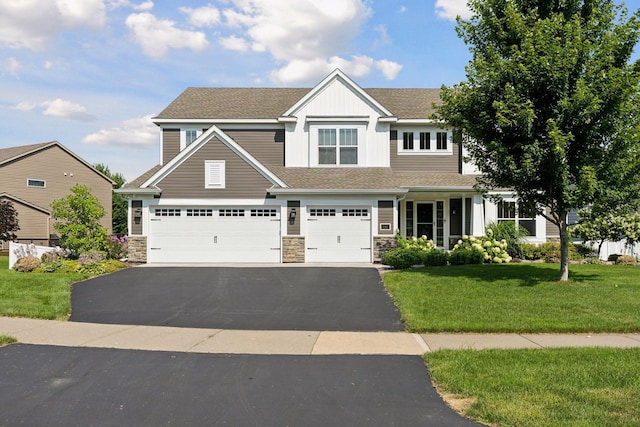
<point>214,171</point>
<point>190,135</point>
<point>518,214</point>
<point>425,141</point>
<point>338,146</point>
<point>41,183</point>
<point>418,141</point>
<point>407,140</point>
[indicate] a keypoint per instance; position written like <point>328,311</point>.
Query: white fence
<point>19,248</point>
<point>620,248</point>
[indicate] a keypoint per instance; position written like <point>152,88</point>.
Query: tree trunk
<point>564,250</point>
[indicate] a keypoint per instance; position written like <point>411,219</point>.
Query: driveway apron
<point>254,298</point>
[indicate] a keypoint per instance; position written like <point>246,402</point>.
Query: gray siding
<point>267,146</point>
<point>552,229</point>
<point>385,216</point>
<point>51,165</point>
<point>136,223</point>
<point>32,222</point>
<point>423,163</point>
<point>293,225</point>
<point>187,180</point>
<point>170,144</point>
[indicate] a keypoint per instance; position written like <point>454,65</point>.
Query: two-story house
<point>33,176</point>
<point>322,174</point>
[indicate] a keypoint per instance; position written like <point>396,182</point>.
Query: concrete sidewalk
<point>196,340</point>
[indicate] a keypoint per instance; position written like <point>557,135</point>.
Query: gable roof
<point>12,154</point>
<point>23,202</point>
<point>213,132</point>
<point>270,103</point>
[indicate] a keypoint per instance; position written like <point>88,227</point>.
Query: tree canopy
<point>118,202</point>
<point>8,221</point>
<point>549,109</point>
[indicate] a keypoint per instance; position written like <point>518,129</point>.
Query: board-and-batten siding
<point>267,146</point>
<point>187,181</point>
<point>170,144</point>
<point>448,163</point>
<point>51,164</point>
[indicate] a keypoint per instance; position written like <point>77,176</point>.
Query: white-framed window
<point>421,141</point>
<point>37,183</point>
<point>337,144</point>
<point>214,174</point>
<point>510,210</point>
<point>167,212</point>
<point>188,135</point>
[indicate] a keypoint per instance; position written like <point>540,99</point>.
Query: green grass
<point>6,339</point>
<point>517,298</point>
<point>542,387</point>
<point>36,295</point>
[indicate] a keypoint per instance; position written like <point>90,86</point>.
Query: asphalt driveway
<point>64,386</point>
<point>255,298</point>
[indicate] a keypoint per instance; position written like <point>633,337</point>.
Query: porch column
<point>477,216</point>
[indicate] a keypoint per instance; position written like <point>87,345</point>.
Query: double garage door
<point>234,234</point>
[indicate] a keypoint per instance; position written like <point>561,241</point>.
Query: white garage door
<point>338,234</point>
<point>234,234</point>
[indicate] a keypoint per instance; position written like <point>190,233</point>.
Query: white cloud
<point>138,132</point>
<point>305,71</point>
<point>13,66</point>
<point>23,106</point>
<point>206,16</point>
<point>157,36</point>
<point>450,9</point>
<point>145,6</point>
<point>389,69</point>
<point>66,109</point>
<point>402,9</point>
<point>235,43</point>
<point>31,24</point>
<point>384,38</point>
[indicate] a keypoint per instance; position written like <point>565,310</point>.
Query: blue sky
<point>91,73</point>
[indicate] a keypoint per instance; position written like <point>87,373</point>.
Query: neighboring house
<point>32,176</point>
<point>322,174</point>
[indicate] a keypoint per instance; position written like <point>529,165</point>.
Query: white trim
<point>420,122</point>
<point>350,119</point>
<point>335,191</point>
<point>201,141</point>
<point>211,121</point>
<point>43,181</point>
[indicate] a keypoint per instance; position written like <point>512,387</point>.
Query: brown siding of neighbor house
<point>385,216</point>
<point>170,144</point>
<point>34,224</point>
<point>188,180</point>
<point>267,146</point>
<point>423,163</point>
<point>51,164</point>
<point>552,229</point>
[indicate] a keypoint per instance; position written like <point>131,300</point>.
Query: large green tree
<point>118,202</point>
<point>77,219</point>
<point>547,109</point>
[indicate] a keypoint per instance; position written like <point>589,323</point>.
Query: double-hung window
<point>518,214</point>
<point>338,146</point>
<point>441,140</point>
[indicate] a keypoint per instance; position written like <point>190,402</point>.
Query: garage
<point>338,234</point>
<point>206,234</point>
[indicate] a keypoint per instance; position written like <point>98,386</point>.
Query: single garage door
<point>338,234</point>
<point>233,234</point>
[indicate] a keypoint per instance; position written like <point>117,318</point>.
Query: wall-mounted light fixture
<point>292,215</point>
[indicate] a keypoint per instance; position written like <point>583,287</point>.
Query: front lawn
<point>36,295</point>
<point>542,387</point>
<point>517,298</point>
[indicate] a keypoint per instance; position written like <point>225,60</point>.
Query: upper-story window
<point>416,141</point>
<point>338,146</point>
<point>188,135</point>
<point>38,183</point>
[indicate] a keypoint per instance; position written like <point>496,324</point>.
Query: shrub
<point>116,247</point>
<point>53,260</point>
<point>69,266</point>
<point>435,257</point>
<point>626,260</point>
<point>26,264</point>
<point>89,262</point>
<point>112,265</point>
<point>584,251</point>
<point>462,256</point>
<point>512,235</point>
<point>401,258</point>
<point>530,251</point>
<point>492,250</point>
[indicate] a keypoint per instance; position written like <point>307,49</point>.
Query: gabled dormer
<point>337,124</point>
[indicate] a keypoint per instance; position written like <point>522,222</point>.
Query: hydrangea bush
<point>493,251</point>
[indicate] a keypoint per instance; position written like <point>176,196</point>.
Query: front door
<point>424,220</point>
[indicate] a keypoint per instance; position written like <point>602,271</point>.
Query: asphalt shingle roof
<point>271,103</point>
